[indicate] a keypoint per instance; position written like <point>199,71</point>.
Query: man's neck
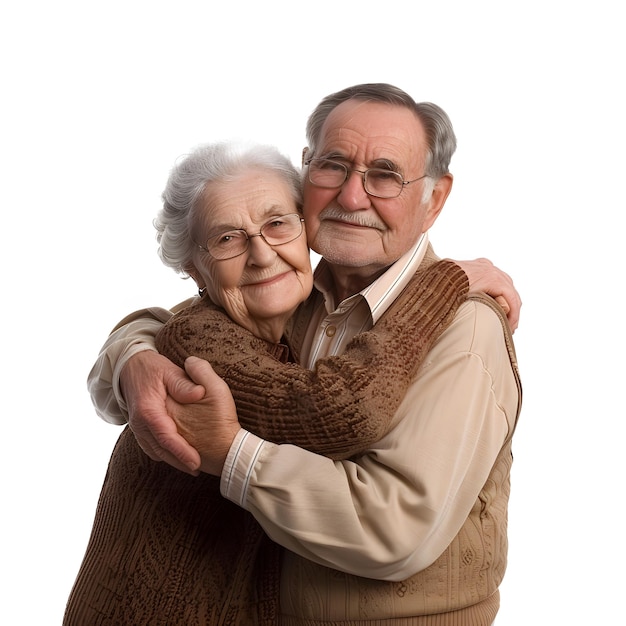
<point>350,280</point>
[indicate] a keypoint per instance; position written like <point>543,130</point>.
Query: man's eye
<point>331,165</point>
<point>383,175</point>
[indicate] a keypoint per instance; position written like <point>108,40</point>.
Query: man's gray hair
<point>439,132</point>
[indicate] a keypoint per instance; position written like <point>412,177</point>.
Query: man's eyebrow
<point>334,156</point>
<point>382,163</point>
<point>385,164</point>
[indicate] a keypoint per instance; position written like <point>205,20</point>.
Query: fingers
<point>214,428</point>
<point>511,303</point>
<point>485,276</point>
<point>147,379</point>
<point>175,452</point>
<point>201,372</point>
<point>501,300</point>
<point>514,313</point>
<point>158,437</point>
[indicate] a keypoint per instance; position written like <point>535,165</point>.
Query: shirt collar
<point>384,290</point>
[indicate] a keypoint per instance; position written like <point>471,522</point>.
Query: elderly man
<point>414,531</point>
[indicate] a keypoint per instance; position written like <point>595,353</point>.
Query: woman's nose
<point>259,251</point>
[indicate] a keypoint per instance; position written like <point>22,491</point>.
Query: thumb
<point>183,390</point>
<point>199,370</point>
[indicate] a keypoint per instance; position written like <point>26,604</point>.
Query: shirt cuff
<point>238,466</point>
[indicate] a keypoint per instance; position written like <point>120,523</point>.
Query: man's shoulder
<point>479,328</point>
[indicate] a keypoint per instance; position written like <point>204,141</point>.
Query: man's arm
<point>393,510</point>
<point>136,333</point>
<point>132,335</point>
<point>130,381</point>
<point>346,402</point>
<point>146,386</point>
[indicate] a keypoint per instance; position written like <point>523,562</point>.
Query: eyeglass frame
<point>350,170</point>
<point>248,236</point>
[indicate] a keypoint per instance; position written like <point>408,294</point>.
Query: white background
<point>99,99</point>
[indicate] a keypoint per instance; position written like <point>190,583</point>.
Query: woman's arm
<point>347,402</point>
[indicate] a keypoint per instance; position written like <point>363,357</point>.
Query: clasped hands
<point>185,418</point>
<point>188,418</point>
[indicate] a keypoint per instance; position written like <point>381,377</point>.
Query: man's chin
<point>349,251</point>
<point>347,258</point>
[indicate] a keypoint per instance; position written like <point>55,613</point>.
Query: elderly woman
<point>166,548</point>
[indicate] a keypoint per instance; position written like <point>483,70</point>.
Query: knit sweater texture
<point>165,547</point>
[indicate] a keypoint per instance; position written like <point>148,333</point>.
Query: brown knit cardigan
<point>165,547</point>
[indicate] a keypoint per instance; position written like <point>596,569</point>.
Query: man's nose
<point>352,195</point>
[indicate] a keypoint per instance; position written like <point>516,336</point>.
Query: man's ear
<point>438,198</point>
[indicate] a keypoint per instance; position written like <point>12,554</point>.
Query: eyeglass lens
<point>277,231</point>
<point>377,182</point>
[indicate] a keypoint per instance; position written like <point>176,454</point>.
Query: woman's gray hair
<point>437,124</point>
<point>216,162</point>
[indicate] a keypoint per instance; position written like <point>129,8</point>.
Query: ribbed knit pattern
<point>480,614</point>
<point>166,548</point>
<point>146,560</point>
<point>347,401</point>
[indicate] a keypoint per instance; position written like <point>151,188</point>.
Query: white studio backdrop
<point>100,99</point>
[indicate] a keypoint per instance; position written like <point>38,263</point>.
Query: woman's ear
<point>195,274</point>
<point>305,151</point>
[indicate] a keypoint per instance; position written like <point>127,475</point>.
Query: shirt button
<point>330,331</point>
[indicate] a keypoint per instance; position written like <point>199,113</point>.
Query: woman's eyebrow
<point>274,210</point>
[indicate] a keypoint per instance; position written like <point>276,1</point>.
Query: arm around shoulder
<point>390,512</point>
<point>133,334</point>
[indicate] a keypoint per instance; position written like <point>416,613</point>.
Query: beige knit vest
<point>459,589</point>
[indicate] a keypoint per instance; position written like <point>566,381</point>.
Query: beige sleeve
<point>391,512</point>
<point>133,334</point>
<point>346,402</point>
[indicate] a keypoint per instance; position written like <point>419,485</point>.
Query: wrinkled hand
<point>146,381</point>
<point>484,276</point>
<point>210,424</point>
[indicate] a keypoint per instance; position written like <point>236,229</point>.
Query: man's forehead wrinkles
<point>375,151</point>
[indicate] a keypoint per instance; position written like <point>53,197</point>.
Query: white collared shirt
<point>332,327</point>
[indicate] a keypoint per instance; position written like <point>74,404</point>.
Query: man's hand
<point>146,381</point>
<point>484,276</point>
<point>211,424</point>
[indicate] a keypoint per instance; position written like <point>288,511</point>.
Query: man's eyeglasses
<point>377,182</point>
<point>231,243</point>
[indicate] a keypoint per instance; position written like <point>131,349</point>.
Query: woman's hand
<point>484,276</point>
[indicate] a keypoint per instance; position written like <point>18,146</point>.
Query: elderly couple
<point>337,447</point>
